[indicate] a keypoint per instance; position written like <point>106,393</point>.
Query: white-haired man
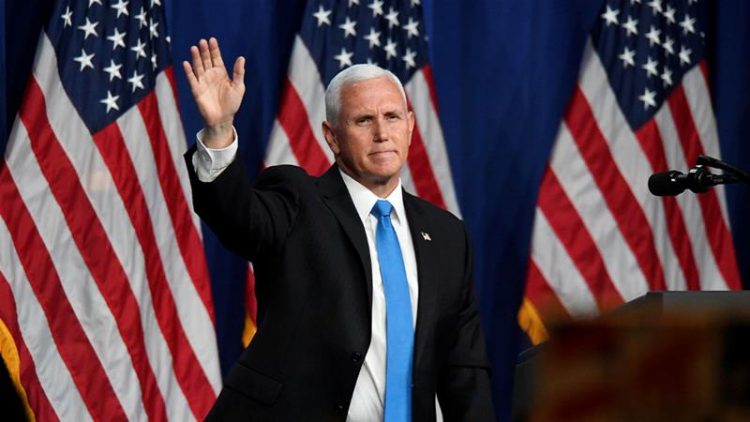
<point>366,309</point>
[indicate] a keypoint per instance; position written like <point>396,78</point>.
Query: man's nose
<point>380,130</point>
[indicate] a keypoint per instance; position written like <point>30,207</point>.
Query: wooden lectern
<point>664,356</point>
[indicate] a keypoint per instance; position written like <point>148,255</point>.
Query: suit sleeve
<point>464,387</point>
<point>249,220</point>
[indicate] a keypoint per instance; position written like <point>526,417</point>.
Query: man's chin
<point>383,179</point>
<point>376,176</point>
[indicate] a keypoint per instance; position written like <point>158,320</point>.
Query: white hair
<point>352,74</point>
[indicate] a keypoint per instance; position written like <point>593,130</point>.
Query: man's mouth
<point>380,153</point>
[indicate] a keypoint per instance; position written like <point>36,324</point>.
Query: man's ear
<point>411,121</point>
<point>331,138</point>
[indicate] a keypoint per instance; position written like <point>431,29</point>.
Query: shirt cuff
<point>209,163</point>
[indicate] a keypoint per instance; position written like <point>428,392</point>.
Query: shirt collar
<point>364,199</point>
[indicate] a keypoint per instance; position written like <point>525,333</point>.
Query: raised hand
<point>218,98</point>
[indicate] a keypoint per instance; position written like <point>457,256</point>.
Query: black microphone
<point>673,182</point>
<point>699,179</point>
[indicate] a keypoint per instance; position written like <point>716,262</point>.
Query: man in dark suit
<point>366,308</point>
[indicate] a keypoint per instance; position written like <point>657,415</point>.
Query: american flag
<point>338,34</point>
<point>641,105</point>
<point>104,290</point>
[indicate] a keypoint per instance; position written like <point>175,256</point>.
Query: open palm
<point>218,98</point>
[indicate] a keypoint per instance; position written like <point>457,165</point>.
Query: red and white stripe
<point>600,238</point>
<point>103,244</point>
<point>297,134</point>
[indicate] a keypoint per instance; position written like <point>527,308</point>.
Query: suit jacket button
<point>356,357</point>
<point>339,408</point>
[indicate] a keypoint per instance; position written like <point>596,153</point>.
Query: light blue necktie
<point>399,328</point>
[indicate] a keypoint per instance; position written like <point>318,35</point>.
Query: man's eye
<point>363,121</point>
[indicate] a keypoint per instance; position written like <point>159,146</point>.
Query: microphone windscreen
<point>668,183</point>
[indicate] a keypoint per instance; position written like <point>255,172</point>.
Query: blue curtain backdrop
<point>3,78</point>
<point>504,72</point>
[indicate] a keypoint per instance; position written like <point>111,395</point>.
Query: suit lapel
<point>337,198</point>
<point>428,289</point>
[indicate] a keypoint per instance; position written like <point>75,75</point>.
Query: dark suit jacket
<point>314,288</point>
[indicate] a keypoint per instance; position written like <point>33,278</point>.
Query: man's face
<point>372,136</point>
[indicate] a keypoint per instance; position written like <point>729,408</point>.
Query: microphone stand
<point>734,174</point>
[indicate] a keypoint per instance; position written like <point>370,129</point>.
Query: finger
<point>238,77</point>
<point>213,48</point>
<point>192,80</point>
<point>205,55</point>
<point>197,62</point>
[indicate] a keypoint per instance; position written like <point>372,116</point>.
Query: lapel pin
<point>426,236</point>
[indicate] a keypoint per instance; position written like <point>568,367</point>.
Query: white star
<point>390,49</point>
<point>152,28</point>
<point>67,17</point>
<point>650,67</point>
<point>409,58</point>
<point>154,63</point>
<point>140,49</point>
<point>322,16</point>
<point>85,60</point>
<point>648,99</point>
<point>377,7</point>
<point>655,5</point>
<point>91,2</point>
<point>687,24</point>
<point>348,27</point>
<point>635,1</point>
<point>111,101</point>
<point>666,77</point>
<point>113,70</point>
<point>684,55</point>
<point>668,45</point>
<point>669,14</point>
<point>610,15</point>
<point>392,18</point>
<point>631,26</point>
<point>141,17</point>
<point>344,58</point>
<point>155,3</point>
<point>411,28</point>
<point>373,37</point>
<point>121,7</point>
<point>627,57</point>
<point>118,39</point>
<point>653,36</point>
<point>414,3</point>
<point>89,28</point>
<point>136,80</point>
<point>351,2</point>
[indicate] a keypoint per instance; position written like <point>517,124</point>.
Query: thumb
<point>238,76</point>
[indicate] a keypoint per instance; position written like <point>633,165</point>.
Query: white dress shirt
<point>369,392</point>
<point>209,163</point>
